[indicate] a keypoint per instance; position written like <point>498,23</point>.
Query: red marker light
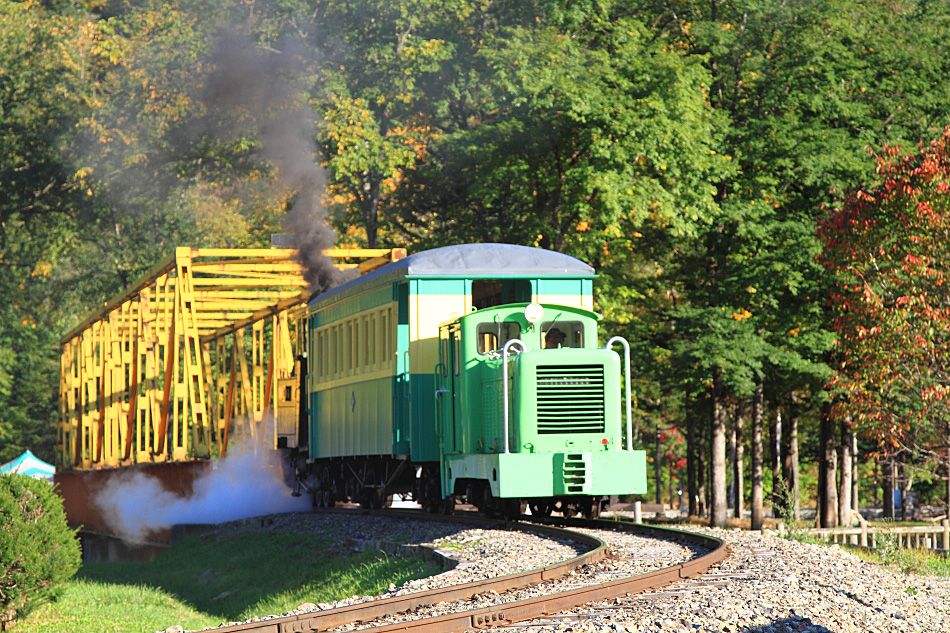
<point>605,441</point>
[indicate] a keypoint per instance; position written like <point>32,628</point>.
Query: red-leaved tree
<point>888,249</point>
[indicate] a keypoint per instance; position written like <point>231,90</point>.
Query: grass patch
<point>922,562</point>
<point>207,580</point>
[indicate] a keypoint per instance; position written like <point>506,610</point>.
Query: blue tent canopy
<point>30,465</point>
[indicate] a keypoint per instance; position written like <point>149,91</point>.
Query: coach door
<point>447,391</point>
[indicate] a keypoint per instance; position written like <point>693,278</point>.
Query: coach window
<point>366,343</point>
<point>340,349</point>
<point>384,351</point>
<point>320,356</point>
<point>556,334</point>
<point>492,336</point>
<point>487,293</point>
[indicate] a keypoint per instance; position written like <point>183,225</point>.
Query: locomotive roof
<point>474,260</point>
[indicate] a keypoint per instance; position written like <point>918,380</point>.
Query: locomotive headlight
<point>533,312</point>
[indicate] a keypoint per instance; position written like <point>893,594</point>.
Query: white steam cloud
<point>240,486</point>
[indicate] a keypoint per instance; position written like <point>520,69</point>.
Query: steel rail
<point>367,611</point>
<point>515,611</point>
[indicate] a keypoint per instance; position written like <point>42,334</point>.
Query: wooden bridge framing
<point>162,370</point>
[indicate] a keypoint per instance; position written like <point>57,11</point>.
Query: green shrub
<point>38,551</point>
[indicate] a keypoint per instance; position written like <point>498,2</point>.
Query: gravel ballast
<point>780,586</point>
<point>774,585</point>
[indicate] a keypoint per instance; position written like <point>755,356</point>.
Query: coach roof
<point>480,260</point>
<point>474,260</point>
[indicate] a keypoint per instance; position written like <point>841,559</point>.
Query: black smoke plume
<point>261,91</point>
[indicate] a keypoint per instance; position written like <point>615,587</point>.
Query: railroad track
<point>506,614</point>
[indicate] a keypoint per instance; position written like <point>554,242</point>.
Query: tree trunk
<point>948,477</point>
<point>703,466</point>
<point>844,490</point>
<point>757,401</point>
<point>876,481</point>
<point>657,470</point>
<point>907,482</point>
<point>827,496</point>
<point>775,458</point>
<point>718,457</point>
<point>738,464</point>
<point>854,473</point>
<point>887,488</point>
<point>692,452</point>
<point>369,206</point>
<point>669,482</point>
<point>731,485</point>
<point>790,457</point>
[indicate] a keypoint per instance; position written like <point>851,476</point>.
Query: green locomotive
<point>559,444</point>
<point>467,373</point>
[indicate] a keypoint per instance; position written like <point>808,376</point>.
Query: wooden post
<point>946,533</point>
<point>637,516</point>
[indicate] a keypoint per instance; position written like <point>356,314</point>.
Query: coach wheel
<point>367,499</point>
<point>351,488</point>
<point>321,498</point>
<point>381,499</point>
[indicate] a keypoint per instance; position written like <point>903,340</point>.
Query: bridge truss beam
<point>164,370</point>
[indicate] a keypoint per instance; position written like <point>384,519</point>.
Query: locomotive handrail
<point>504,380</point>
<point>626,373</point>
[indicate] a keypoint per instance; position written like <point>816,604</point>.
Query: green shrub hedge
<point>38,551</point>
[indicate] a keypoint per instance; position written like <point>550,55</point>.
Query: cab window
<point>555,334</point>
<point>488,335</point>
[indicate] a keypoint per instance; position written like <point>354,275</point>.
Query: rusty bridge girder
<point>164,369</point>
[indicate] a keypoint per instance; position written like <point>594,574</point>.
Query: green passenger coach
<point>411,367</point>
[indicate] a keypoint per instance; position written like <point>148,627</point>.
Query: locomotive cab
<point>531,411</point>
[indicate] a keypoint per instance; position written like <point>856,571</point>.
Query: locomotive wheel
<point>448,505</point>
<point>541,509</point>
<point>592,509</point>
<point>513,508</point>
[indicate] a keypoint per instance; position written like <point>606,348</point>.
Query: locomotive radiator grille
<point>570,399</point>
